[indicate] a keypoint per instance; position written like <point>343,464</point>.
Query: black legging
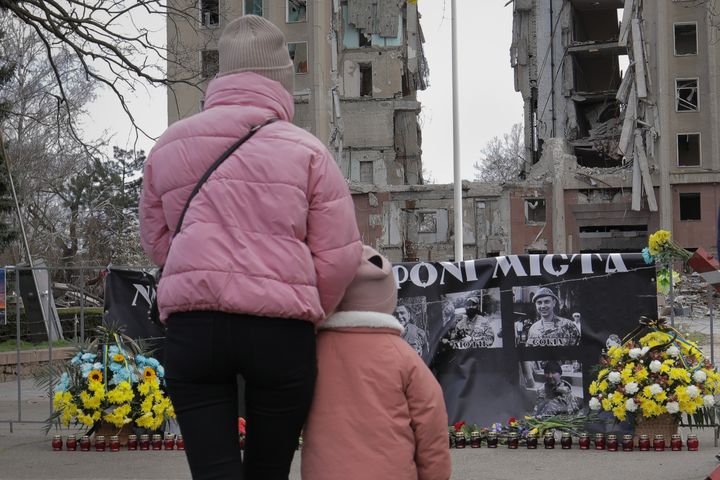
<point>204,353</point>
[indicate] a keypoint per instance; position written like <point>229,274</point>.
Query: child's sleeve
<point>429,422</point>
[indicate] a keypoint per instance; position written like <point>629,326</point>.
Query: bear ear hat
<point>373,289</point>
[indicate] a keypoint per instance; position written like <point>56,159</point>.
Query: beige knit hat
<point>253,44</point>
<point>373,289</point>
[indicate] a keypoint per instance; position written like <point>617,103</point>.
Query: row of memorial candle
<point>611,443</point>
<point>72,443</point>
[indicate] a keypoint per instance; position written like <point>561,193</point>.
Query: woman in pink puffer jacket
<point>265,252</point>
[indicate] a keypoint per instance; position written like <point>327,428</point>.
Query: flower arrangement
<point>660,373</point>
<point>526,426</point>
<point>662,248</point>
<point>109,380</point>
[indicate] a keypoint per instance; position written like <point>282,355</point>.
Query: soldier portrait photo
<point>477,320</point>
<point>552,387</point>
<point>410,312</point>
<point>541,323</point>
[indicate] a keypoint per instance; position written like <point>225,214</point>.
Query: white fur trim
<point>361,319</point>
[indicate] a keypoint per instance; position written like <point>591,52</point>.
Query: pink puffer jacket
<point>378,413</point>
<point>271,233</point>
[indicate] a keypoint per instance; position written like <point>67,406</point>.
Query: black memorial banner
<point>519,334</point>
<point>127,300</point>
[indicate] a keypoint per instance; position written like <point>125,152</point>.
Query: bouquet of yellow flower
<point>109,380</point>
<point>660,373</point>
<point>662,248</point>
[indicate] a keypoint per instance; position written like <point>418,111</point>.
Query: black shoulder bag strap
<point>153,312</point>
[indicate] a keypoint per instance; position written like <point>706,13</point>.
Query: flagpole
<point>457,190</point>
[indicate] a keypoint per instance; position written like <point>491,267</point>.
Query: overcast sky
<point>489,104</point>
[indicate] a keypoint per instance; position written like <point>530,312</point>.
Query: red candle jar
<point>513,441</point>
<point>71,443</point>
<point>584,442</point>
<point>532,441</point>
<point>460,440</point>
<point>628,444</point>
<point>180,442</point>
<point>599,441</point>
<point>659,443</point>
<point>57,443</point>
<point>100,443</point>
<point>169,443</point>
<point>492,440</point>
<point>692,443</point>
<point>475,440</point>
<point>144,441</point>
<point>675,443</point>
<point>132,442</point>
<point>85,443</point>
<point>644,443</point>
<point>114,443</point>
<point>612,443</point>
<point>566,441</point>
<point>157,442</point>
<point>549,440</point>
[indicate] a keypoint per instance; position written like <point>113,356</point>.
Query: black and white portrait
<point>552,387</point>
<point>411,312</point>
<point>546,317</point>
<point>476,317</point>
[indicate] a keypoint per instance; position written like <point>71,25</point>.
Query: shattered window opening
<point>690,206</point>
<point>296,11</point>
<point>686,95</point>
<point>685,36</point>
<point>688,149</point>
<point>535,210</point>
<point>253,7</point>
<point>299,56</point>
<point>366,86</point>
<point>366,172</point>
<point>209,63</point>
<point>209,13</point>
<point>427,222</point>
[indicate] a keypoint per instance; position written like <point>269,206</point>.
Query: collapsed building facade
<point>358,65</point>
<point>621,121</point>
<point>629,151</point>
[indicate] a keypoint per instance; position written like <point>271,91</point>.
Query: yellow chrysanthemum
<point>641,375</point>
<point>619,412</point>
<point>617,398</point>
<point>122,393</point>
<point>602,386</point>
<point>593,388</point>
<point>679,374</point>
<point>119,416</point>
<point>657,241</point>
<point>606,404</point>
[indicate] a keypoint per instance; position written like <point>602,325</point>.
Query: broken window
<point>296,11</point>
<point>689,206</point>
<point>365,40</point>
<point>427,222</point>
<point>366,172</point>
<point>299,55</point>
<point>366,88</point>
<point>253,7</point>
<point>209,13</point>
<point>685,38</point>
<point>209,61</point>
<point>534,210</point>
<point>688,149</point>
<point>686,95</point>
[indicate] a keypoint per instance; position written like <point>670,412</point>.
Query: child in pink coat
<point>378,413</point>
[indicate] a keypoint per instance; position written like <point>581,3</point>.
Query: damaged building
<point>358,66</point>
<point>621,118</point>
<point>621,112</point>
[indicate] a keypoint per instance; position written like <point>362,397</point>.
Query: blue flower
<point>64,383</point>
<point>88,357</point>
<point>115,367</point>
<point>140,360</point>
<point>649,259</point>
<point>160,371</point>
<point>114,349</point>
<point>76,359</point>
<point>151,362</point>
